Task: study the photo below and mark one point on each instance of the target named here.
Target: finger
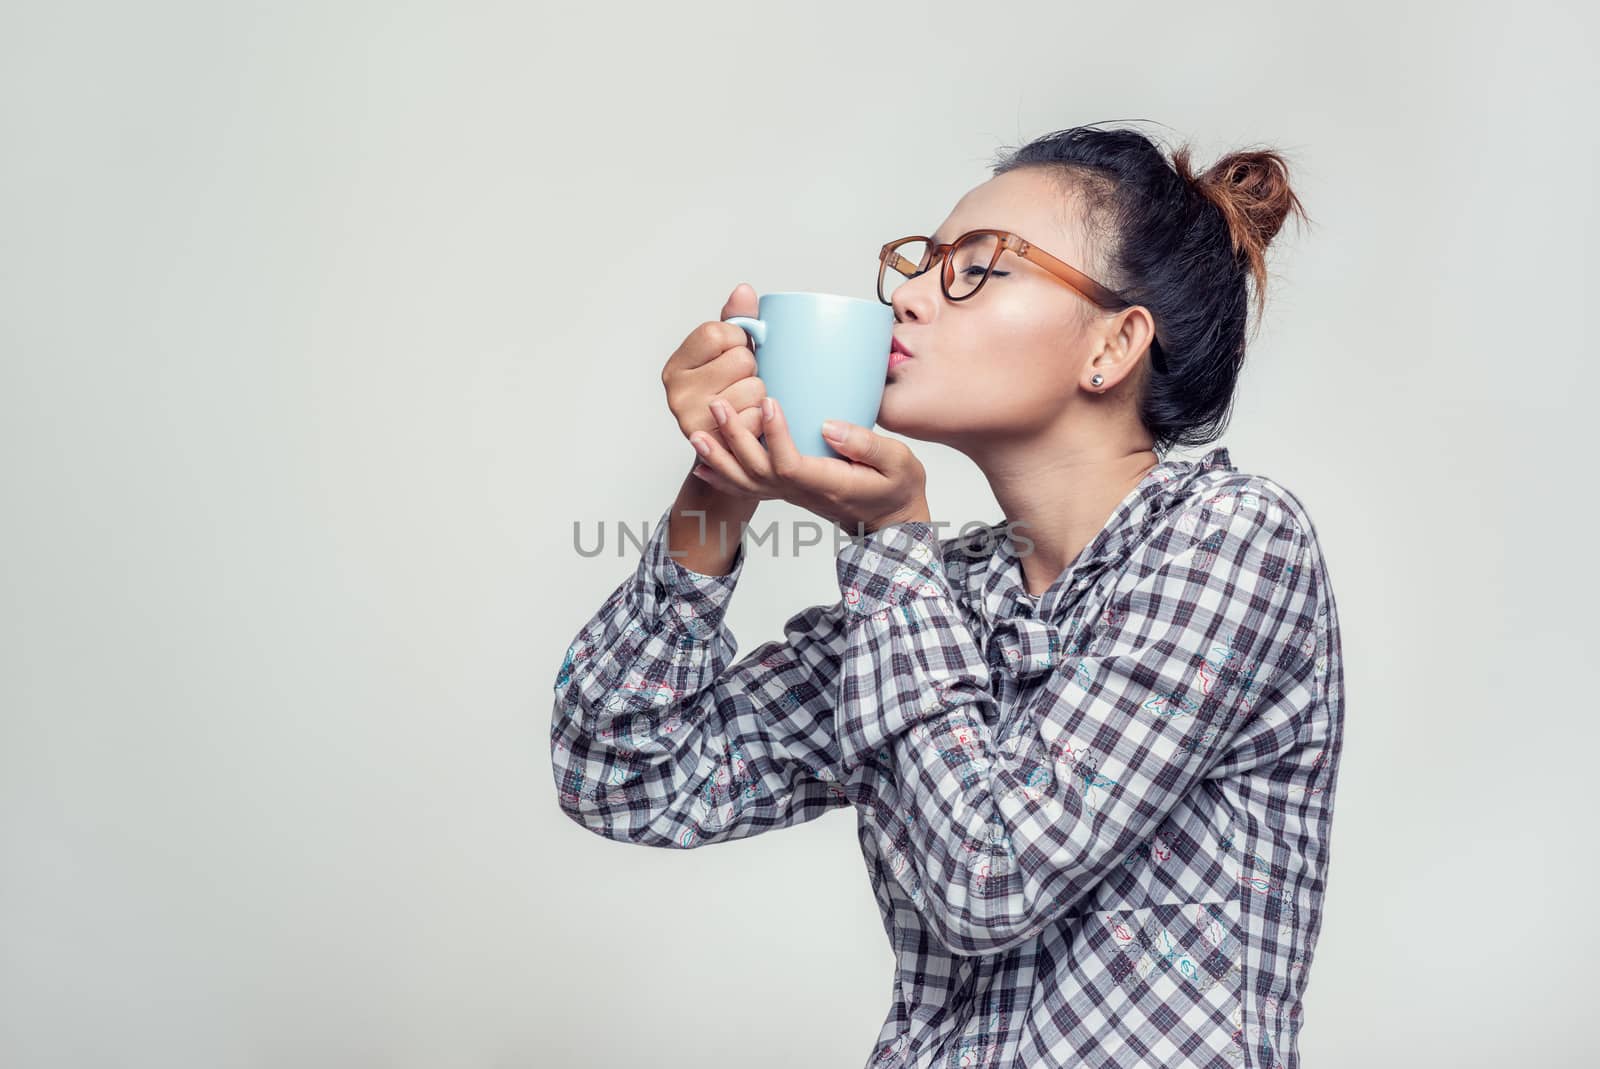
(742, 302)
(753, 421)
(751, 454)
(744, 395)
(712, 479)
(854, 441)
(731, 376)
(705, 343)
(749, 415)
(828, 478)
(728, 368)
(787, 461)
(719, 460)
(749, 418)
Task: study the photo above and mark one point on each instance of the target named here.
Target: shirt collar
(994, 584)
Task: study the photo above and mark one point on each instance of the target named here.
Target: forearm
(657, 739)
(705, 527)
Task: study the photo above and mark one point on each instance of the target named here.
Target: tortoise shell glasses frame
(1063, 272)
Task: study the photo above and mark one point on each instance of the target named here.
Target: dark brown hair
(1186, 246)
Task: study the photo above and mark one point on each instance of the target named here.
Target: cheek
(1022, 312)
(1023, 344)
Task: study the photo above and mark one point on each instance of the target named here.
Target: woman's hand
(880, 482)
(715, 361)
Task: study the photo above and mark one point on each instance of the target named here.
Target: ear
(1126, 339)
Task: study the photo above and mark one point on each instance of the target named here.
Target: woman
(1093, 767)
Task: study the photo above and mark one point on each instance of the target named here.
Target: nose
(915, 299)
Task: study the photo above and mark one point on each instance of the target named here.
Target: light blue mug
(822, 356)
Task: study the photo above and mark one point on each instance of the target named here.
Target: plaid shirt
(1096, 823)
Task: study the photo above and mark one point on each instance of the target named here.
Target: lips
(897, 354)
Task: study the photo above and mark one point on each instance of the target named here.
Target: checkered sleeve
(656, 738)
(993, 843)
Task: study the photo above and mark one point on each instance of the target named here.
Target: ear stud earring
(1097, 380)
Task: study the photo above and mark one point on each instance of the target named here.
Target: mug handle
(753, 327)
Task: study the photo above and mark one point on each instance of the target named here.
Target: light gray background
(323, 323)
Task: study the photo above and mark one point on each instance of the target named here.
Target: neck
(1060, 495)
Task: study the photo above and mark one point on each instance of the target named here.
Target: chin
(889, 415)
(894, 417)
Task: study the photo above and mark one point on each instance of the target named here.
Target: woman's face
(1008, 361)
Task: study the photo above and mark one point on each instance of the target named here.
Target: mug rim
(815, 294)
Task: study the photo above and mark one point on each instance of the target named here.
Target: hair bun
(1251, 189)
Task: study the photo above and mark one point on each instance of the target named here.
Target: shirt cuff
(890, 567)
(670, 594)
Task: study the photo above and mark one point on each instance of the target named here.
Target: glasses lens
(969, 263)
(890, 279)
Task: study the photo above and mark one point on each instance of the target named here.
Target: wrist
(698, 495)
(916, 512)
(706, 528)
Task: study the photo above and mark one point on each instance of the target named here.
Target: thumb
(741, 302)
(850, 439)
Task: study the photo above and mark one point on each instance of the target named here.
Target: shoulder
(1261, 503)
(1252, 521)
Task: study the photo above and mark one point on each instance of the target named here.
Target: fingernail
(716, 410)
(700, 446)
(830, 429)
(768, 409)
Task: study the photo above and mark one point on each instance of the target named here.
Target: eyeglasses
(969, 260)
